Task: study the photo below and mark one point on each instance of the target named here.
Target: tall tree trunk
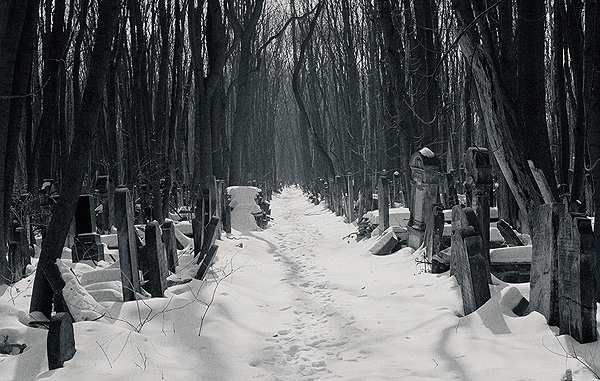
(17, 42)
(532, 95)
(47, 279)
(498, 114)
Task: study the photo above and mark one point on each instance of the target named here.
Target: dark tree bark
(324, 162)
(17, 42)
(47, 280)
(498, 113)
(532, 96)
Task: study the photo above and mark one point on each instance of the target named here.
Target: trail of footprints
(320, 331)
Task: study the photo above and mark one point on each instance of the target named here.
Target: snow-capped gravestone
(576, 278)
(479, 171)
(424, 167)
(154, 264)
(127, 238)
(60, 344)
(544, 262)
(88, 244)
(243, 205)
(467, 262)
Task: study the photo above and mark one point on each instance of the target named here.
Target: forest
(165, 94)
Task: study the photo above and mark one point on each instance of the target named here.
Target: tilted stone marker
(383, 201)
(467, 263)
(509, 235)
(155, 261)
(478, 167)
(576, 279)
(206, 262)
(128, 244)
(168, 238)
(544, 262)
(210, 238)
(60, 344)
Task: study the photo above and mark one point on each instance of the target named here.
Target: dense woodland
(165, 92)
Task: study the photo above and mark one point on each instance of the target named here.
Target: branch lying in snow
(568, 355)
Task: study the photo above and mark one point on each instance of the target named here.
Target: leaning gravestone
(206, 262)
(544, 262)
(468, 264)
(509, 234)
(576, 279)
(155, 261)
(60, 344)
(128, 243)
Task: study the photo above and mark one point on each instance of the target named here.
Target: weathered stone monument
(468, 263)
(128, 243)
(544, 262)
(577, 265)
(168, 238)
(338, 192)
(87, 242)
(60, 344)
(19, 255)
(509, 235)
(154, 262)
(424, 167)
(350, 213)
(479, 169)
(383, 201)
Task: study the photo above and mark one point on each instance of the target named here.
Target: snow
(297, 302)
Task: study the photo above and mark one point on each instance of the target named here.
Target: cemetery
(299, 190)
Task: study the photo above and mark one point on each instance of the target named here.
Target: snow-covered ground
(298, 302)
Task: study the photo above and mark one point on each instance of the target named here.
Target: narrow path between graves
(321, 330)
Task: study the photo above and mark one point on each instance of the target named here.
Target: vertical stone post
(339, 210)
(351, 214)
(424, 194)
(478, 167)
(156, 271)
(544, 262)
(87, 242)
(467, 263)
(576, 278)
(127, 240)
(168, 238)
(226, 210)
(383, 194)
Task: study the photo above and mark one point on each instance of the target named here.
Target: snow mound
(81, 304)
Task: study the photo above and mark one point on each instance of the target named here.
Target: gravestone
(85, 221)
(383, 203)
(209, 238)
(437, 266)
(226, 211)
(508, 234)
(338, 195)
(424, 194)
(87, 243)
(350, 213)
(155, 261)
(544, 261)
(19, 255)
(206, 262)
(128, 243)
(168, 238)
(576, 278)
(467, 262)
(60, 344)
(479, 169)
